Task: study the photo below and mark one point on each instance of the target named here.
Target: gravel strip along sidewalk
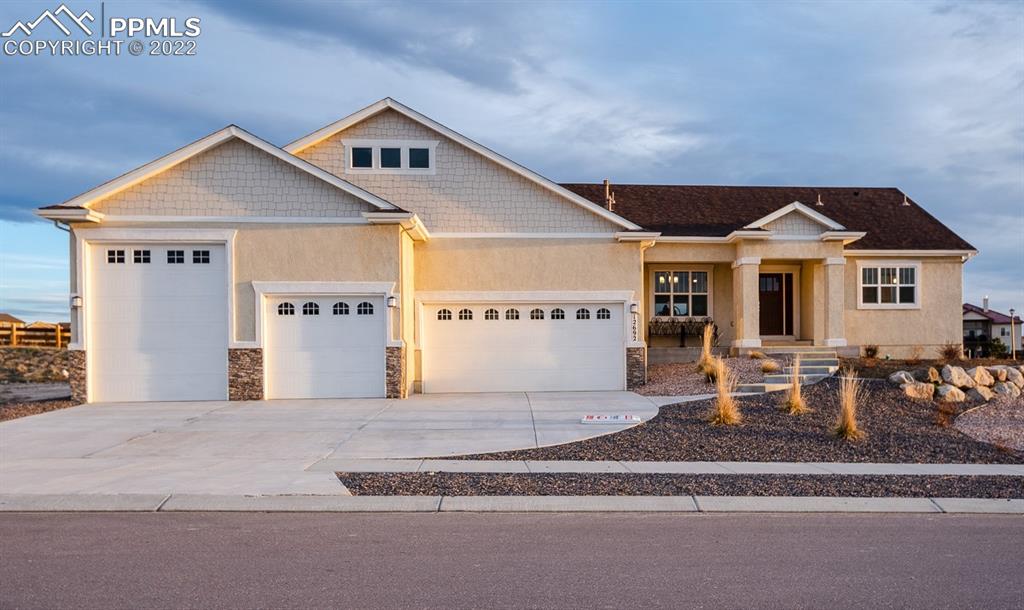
(1000, 422)
(588, 484)
(898, 430)
(15, 410)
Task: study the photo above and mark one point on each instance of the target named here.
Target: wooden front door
(776, 301)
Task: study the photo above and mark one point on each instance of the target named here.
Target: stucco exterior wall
(896, 332)
(233, 179)
(663, 252)
(467, 192)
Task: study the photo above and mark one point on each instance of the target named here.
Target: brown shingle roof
(991, 314)
(719, 210)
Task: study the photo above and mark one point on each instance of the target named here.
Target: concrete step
(819, 362)
(761, 387)
(785, 379)
(803, 351)
(812, 370)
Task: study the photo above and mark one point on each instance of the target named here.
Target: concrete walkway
(266, 448)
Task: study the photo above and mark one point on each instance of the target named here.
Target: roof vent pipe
(984, 303)
(609, 196)
(905, 201)
(819, 199)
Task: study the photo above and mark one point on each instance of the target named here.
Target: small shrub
(951, 352)
(915, 355)
(706, 363)
(944, 415)
(871, 351)
(756, 355)
(770, 366)
(997, 349)
(726, 412)
(794, 402)
(850, 394)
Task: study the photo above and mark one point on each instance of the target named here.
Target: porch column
(835, 301)
(746, 305)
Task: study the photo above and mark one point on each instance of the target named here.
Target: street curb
(41, 503)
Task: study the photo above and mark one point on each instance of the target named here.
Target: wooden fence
(36, 337)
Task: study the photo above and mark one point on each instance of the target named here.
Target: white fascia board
(216, 138)
(637, 236)
(965, 254)
(377, 107)
(407, 220)
(847, 237)
(796, 206)
(71, 214)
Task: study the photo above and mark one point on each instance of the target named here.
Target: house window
(511, 314)
(362, 157)
(140, 256)
(115, 256)
(557, 314)
(444, 314)
(465, 314)
(310, 309)
(340, 309)
(491, 314)
(175, 257)
(201, 257)
(391, 158)
(536, 314)
(681, 293)
(885, 287)
(1002, 332)
(604, 314)
(582, 314)
(286, 309)
(364, 309)
(419, 158)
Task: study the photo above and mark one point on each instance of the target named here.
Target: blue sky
(924, 96)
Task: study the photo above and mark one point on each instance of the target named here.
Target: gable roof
(202, 145)
(796, 208)
(991, 314)
(6, 317)
(717, 211)
(387, 103)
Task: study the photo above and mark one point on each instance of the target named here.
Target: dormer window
(390, 156)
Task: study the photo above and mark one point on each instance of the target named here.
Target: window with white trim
(286, 309)
(604, 314)
(465, 314)
(491, 314)
(557, 314)
(340, 308)
(140, 256)
(391, 156)
(115, 256)
(536, 314)
(511, 314)
(364, 309)
(889, 286)
(444, 314)
(200, 257)
(310, 309)
(175, 257)
(582, 314)
(681, 293)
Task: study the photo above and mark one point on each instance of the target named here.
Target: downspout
(64, 228)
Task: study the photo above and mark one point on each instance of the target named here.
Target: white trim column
(746, 301)
(835, 301)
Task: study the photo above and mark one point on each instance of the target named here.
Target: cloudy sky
(924, 96)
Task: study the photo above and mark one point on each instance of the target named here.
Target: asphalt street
(259, 560)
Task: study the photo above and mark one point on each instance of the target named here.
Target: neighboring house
(982, 325)
(9, 321)
(386, 253)
(42, 325)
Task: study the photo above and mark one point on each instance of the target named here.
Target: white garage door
(506, 347)
(158, 322)
(325, 347)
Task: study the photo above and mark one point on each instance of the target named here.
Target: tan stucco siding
(781, 250)
(292, 253)
(663, 252)
(233, 179)
(896, 332)
(467, 192)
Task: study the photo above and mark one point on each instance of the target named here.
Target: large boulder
(980, 394)
(949, 393)
(1014, 376)
(957, 376)
(919, 390)
(933, 375)
(901, 378)
(1006, 389)
(981, 376)
(998, 372)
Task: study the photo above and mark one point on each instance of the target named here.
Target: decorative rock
(901, 378)
(981, 376)
(998, 372)
(933, 375)
(949, 393)
(919, 390)
(1007, 389)
(1015, 376)
(957, 376)
(980, 394)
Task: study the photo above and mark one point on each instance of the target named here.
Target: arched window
(310, 309)
(583, 314)
(491, 314)
(604, 314)
(286, 309)
(364, 309)
(536, 314)
(557, 314)
(465, 314)
(444, 314)
(340, 309)
(511, 314)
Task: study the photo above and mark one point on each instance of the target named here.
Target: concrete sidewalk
(516, 504)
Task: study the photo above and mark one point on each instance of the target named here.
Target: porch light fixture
(76, 301)
(634, 308)
(392, 302)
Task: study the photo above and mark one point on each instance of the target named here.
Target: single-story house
(982, 324)
(9, 321)
(386, 253)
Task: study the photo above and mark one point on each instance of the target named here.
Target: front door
(776, 302)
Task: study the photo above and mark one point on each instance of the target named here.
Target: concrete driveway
(281, 446)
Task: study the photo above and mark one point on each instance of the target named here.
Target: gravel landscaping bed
(32, 364)
(878, 368)
(1000, 422)
(571, 484)
(14, 410)
(898, 429)
(682, 379)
